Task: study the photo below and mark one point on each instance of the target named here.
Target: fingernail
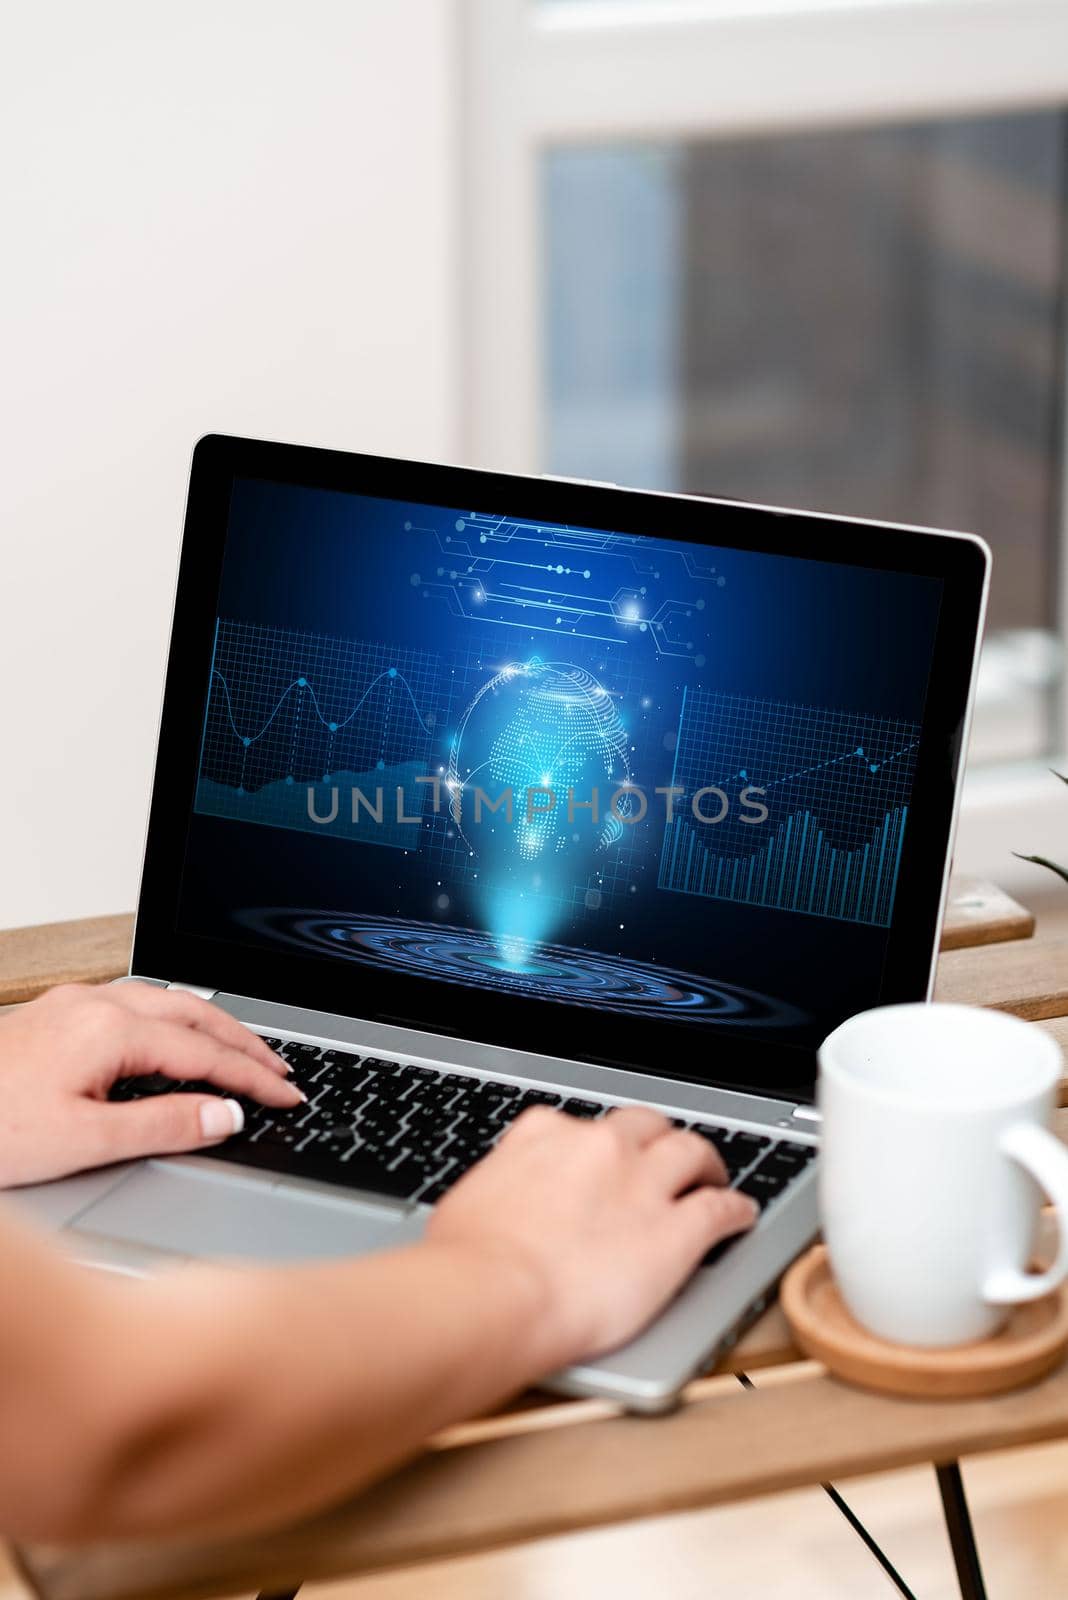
(220, 1118)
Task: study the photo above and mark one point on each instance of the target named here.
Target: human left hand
(60, 1054)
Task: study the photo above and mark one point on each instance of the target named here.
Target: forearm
(234, 1399)
(231, 1399)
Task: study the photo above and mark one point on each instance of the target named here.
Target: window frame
(535, 73)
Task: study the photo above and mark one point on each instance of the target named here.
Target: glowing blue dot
(407, 527)
(302, 683)
(326, 777)
(246, 742)
(380, 765)
(482, 538)
(460, 524)
(289, 778)
(393, 672)
(859, 751)
(586, 573)
(560, 569)
(873, 766)
(333, 727)
(700, 605)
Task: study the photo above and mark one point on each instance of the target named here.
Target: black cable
(854, 1521)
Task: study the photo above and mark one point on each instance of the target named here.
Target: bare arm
(228, 1399)
(234, 1398)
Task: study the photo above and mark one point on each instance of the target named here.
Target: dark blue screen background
(675, 662)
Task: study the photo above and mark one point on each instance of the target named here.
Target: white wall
(228, 215)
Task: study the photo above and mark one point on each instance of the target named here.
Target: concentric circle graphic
(548, 971)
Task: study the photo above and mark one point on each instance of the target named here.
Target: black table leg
(854, 1522)
(961, 1535)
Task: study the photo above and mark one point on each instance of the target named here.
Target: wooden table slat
(562, 1479)
(978, 912)
(1029, 978)
(92, 950)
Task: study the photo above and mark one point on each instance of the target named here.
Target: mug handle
(1046, 1159)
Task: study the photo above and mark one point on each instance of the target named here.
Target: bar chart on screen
(829, 802)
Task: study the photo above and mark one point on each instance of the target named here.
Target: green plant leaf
(1041, 861)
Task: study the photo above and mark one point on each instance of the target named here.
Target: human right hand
(609, 1218)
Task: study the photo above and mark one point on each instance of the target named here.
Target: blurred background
(809, 252)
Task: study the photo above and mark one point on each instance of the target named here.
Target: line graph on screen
(291, 712)
(835, 785)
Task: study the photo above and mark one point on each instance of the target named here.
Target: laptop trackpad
(194, 1212)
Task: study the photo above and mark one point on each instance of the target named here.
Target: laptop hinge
(194, 988)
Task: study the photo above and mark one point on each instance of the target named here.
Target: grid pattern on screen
(290, 710)
(836, 788)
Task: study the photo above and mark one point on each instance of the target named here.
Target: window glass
(864, 321)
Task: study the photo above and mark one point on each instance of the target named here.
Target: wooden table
(551, 1467)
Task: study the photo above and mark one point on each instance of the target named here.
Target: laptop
(476, 791)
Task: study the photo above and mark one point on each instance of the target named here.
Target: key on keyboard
(371, 1124)
(781, 1163)
(409, 1133)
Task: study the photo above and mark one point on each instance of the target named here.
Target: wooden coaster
(1032, 1342)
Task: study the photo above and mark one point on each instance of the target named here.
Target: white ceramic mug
(936, 1153)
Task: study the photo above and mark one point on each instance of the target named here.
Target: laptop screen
(626, 776)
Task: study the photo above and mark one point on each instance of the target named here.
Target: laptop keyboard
(408, 1133)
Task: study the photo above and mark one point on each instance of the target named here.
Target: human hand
(60, 1054)
(610, 1217)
